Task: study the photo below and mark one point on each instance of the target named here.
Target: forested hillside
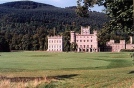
(26, 24)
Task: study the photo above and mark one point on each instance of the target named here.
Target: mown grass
(71, 70)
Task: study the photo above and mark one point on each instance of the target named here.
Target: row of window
(54, 41)
(118, 47)
(83, 40)
(54, 50)
(88, 50)
(83, 37)
(54, 46)
(86, 46)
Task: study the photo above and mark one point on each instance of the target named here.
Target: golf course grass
(70, 70)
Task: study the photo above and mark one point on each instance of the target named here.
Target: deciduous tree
(119, 11)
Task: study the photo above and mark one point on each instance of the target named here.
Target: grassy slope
(93, 70)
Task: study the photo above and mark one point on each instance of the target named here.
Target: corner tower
(72, 37)
(131, 39)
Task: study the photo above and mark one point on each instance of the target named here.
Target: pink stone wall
(130, 46)
(116, 47)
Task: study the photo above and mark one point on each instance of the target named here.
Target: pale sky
(57, 3)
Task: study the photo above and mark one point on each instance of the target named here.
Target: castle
(87, 42)
(116, 47)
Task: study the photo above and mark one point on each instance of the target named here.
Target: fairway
(85, 70)
(48, 61)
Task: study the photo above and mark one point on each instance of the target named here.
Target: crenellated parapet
(55, 37)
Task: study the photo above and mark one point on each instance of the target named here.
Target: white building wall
(55, 43)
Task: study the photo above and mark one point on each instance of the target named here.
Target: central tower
(85, 30)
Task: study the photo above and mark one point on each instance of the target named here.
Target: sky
(58, 3)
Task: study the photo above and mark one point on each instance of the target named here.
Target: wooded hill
(26, 24)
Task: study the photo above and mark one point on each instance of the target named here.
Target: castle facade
(86, 42)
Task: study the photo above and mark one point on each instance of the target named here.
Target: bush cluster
(127, 50)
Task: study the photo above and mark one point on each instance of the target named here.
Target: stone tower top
(85, 30)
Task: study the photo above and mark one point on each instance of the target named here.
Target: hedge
(127, 50)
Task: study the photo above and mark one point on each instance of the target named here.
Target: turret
(95, 32)
(72, 37)
(131, 39)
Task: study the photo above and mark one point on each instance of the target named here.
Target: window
(77, 40)
(80, 40)
(91, 46)
(87, 46)
(84, 40)
(84, 46)
(87, 40)
(91, 40)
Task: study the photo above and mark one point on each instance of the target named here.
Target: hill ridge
(25, 5)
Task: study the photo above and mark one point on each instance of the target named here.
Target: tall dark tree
(66, 41)
(4, 46)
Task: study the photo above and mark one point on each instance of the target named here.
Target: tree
(4, 46)
(119, 11)
(73, 46)
(66, 41)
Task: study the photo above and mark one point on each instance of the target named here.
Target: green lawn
(84, 70)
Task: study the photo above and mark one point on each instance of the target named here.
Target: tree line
(25, 25)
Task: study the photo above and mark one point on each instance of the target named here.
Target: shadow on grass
(27, 79)
(21, 79)
(131, 72)
(62, 77)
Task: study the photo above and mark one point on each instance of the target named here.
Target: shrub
(127, 50)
